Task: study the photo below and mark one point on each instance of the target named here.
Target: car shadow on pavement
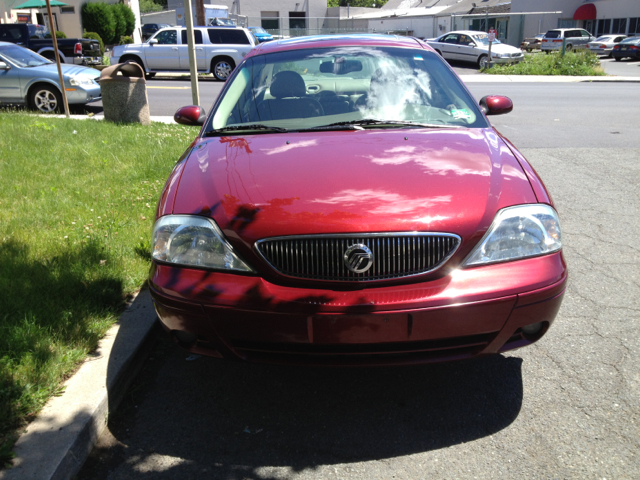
(221, 419)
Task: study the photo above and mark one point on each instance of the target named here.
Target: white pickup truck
(218, 50)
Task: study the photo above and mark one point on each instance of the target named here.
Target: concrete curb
(57, 443)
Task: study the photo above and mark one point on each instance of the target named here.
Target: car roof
(466, 32)
(325, 41)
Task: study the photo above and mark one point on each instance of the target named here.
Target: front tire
(45, 99)
(222, 67)
(483, 61)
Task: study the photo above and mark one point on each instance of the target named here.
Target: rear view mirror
(495, 104)
(153, 41)
(341, 66)
(192, 115)
(4, 66)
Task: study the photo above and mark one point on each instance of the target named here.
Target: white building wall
(421, 27)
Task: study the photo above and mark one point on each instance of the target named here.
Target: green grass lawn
(77, 202)
(583, 63)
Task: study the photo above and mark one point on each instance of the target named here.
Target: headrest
(288, 84)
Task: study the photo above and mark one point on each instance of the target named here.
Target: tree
(149, 6)
(98, 17)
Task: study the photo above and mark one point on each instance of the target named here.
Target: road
(566, 407)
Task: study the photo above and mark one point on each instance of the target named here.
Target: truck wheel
(45, 99)
(222, 67)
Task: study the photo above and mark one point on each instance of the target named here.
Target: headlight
(497, 55)
(519, 232)
(78, 81)
(193, 241)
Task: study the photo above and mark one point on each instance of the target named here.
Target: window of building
(69, 9)
(619, 25)
(297, 20)
(270, 20)
(567, 23)
(604, 27)
(634, 26)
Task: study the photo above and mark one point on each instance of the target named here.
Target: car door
(183, 48)
(10, 84)
(163, 55)
(448, 46)
(467, 50)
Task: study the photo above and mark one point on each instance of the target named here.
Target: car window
(167, 37)
(619, 39)
(225, 36)
(21, 56)
(197, 35)
(605, 39)
(466, 40)
(400, 84)
(585, 33)
(629, 40)
(10, 33)
(452, 38)
(483, 39)
(553, 34)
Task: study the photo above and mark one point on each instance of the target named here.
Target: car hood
(425, 180)
(67, 70)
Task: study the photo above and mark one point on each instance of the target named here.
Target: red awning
(585, 12)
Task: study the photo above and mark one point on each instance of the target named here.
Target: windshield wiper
(236, 128)
(332, 127)
(371, 121)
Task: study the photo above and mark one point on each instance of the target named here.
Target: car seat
(290, 101)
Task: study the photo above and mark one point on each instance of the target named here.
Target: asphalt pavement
(566, 407)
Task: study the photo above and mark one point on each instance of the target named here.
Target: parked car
(575, 39)
(148, 29)
(218, 50)
(629, 47)
(472, 46)
(533, 43)
(78, 51)
(27, 78)
(604, 45)
(347, 202)
(261, 34)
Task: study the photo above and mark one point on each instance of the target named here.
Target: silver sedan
(26, 78)
(604, 45)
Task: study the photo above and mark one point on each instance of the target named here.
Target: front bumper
(469, 313)
(503, 60)
(83, 94)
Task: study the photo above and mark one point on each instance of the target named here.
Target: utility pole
(193, 66)
(200, 13)
(52, 27)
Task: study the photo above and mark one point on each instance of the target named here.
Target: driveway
(566, 407)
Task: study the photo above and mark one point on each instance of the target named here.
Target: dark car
(347, 202)
(78, 51)
(629, 47)
(148, 29)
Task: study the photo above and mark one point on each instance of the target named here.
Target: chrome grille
(321, 257)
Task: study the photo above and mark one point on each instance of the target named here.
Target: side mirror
(4, 66)
(192, 115)
(495, 104)
(153, 41)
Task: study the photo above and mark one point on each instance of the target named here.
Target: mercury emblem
(358, 258)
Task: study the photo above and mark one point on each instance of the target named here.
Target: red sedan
(347, 202)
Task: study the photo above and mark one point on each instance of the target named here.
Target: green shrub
(149, 6)
(581, 63)
(99, 18)
(121, 24)
(128, 16)
(58, 35)
(94, 36)
(125, 39)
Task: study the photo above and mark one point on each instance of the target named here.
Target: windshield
(630, 40)
(318, 87)
(604, 39)
(484, 39)
(257, 29)
(21, 57)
